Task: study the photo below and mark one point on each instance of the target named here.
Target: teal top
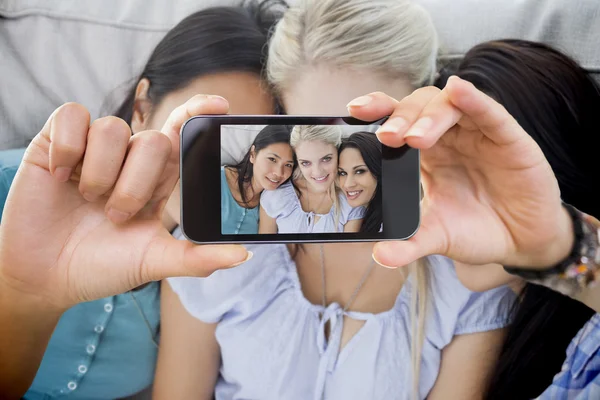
(235, 219)
(101, 349)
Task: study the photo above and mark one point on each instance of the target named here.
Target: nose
(279, 170)
(349, 182)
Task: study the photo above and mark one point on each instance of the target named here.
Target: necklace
(310, 210)
(356, 290)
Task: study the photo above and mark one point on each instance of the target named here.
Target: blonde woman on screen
(312, 202)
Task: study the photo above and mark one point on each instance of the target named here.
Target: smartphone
(295, 179)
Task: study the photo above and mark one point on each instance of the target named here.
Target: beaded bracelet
(581, 269)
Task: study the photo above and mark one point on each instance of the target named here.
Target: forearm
(26, 326)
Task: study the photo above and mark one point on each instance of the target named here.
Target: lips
(273, 182)
(321, 179)
(353, 194)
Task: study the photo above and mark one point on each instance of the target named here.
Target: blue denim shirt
(580, 375)
(101, 349)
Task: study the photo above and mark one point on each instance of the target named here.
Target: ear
(252, 154)
(141, 106)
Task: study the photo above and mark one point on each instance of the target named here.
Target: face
(272, 165)
(479, 278)
(356, 180)
(318, 163)
(326, 91)
(243, 91)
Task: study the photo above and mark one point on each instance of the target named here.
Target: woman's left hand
(490, 195)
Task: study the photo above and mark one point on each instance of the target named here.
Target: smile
(272, 180)
(351, 195)
(322, 178)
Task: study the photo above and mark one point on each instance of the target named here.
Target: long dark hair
(370, 150)
(557, 103)
(269, 135)
(213, 40)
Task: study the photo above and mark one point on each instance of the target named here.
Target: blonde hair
(329, 134)
(392, 38)
(418, 311)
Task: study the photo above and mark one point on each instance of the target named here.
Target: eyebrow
(359, 166)
(320, 158)
(277, 156)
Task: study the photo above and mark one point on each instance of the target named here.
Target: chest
(282, 353)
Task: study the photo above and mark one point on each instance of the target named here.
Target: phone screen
(295, 179)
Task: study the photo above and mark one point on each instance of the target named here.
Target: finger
(402, 114)
(146, 159)
(488, 115)
(372, 106)
(200, 104)
(197, 105)
(169, 257)
(406, 113)
(428, 240)
(436, 118)
(66, 131)
(107, 142)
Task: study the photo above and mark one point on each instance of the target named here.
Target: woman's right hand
(83, 217)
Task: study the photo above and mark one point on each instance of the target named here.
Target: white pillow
(58, 51)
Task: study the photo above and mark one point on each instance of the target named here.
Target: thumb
(429, 239)
(168, 257)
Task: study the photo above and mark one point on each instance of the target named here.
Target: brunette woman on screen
(359, 173)
(268, 163)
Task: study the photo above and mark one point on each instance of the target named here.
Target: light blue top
(100, 349)
(284, 205)
(235, 219)
(273, 344)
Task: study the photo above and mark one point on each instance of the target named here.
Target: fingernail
(383, 265)
(213, 97)
(420, 128)
(393, 125)
(62, 174)
(359, 101)
(117, 216)
(248, 257)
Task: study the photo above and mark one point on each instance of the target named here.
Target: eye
(360, 171)
(272, 159)
(305, 163)
(289, 165)
(326, 159)
(342, 173)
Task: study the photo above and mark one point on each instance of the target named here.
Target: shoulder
(275, 202)
(210, 299)
(455, 310)
(347, 211)
(580, 373)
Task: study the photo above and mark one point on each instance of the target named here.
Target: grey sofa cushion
(87, 50)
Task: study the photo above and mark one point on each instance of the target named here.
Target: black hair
(557, 103)
(269, 135)
(212, 40)
(370, 150)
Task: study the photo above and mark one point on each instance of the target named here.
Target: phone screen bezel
(401, 184)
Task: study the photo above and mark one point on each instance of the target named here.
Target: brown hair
(558, 104)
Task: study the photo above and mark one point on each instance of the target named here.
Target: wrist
(558, 249)
(579, 270)
(21, 303)
(26, 325)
